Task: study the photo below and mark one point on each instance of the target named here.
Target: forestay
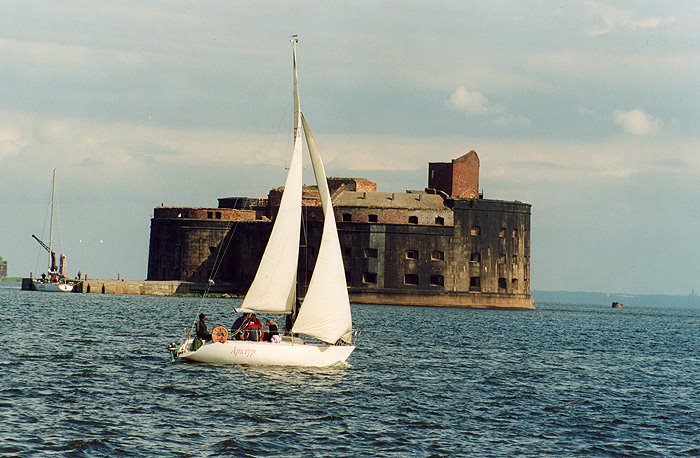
(325, 313)
(274, 287)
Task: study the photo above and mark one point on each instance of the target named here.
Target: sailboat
(325, 315)
(55, 280)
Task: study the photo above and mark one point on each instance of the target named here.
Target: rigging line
(276, 134)
(40, 254)
(218, 260)
(304, 228)
(221, 253)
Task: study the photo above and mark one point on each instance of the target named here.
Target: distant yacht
(55, 279)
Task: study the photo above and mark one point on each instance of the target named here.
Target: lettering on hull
(244, 352)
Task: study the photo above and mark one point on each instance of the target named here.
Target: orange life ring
(219, 334)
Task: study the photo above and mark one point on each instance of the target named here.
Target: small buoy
(219, 334)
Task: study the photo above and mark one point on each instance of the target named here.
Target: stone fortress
(442, 246)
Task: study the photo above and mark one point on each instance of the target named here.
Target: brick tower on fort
(444, 245)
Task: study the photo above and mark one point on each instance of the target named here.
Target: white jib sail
(274, 287)
(325, 313)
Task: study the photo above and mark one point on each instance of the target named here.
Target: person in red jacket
(254, 330)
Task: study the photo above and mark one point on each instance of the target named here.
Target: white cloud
(637, 122)
(617, 18)
(472, 103)
(513, 120)
(36, 58)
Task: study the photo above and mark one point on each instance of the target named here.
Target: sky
(588, 110)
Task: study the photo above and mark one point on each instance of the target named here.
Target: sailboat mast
(297, 114)
(273, 289)
(53, 195)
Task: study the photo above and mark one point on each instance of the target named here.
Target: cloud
(12, 140)
(35, 59)
(617, 18)
(472, 103)
(513, 121)
(637, 122)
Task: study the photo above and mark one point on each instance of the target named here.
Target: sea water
(89, 375)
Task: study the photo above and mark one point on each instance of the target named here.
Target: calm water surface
(88, 375)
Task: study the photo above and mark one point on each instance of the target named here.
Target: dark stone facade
(413, 248)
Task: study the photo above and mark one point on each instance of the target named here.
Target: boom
(54, 268)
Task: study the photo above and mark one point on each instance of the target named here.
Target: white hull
(50, 287)
(285, 353)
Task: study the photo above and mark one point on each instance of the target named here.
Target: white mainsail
(274, 287)
(325, 313)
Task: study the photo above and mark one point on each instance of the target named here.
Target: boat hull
(50, 287)
(286, 353)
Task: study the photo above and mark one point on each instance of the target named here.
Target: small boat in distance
(324, 315)
(617, 305)
(55, 280)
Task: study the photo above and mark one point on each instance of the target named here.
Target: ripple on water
(560, 381)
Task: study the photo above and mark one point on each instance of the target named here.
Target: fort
(3, 268)
(445, 245)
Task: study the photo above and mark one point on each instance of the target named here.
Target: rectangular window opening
(369, 277)
(412, 254)
(474, 283)
(437, 255)
(410, 279)
(437, 280)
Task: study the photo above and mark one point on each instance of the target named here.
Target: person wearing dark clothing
(202, 331)
(238, 325)
(291, 317)
(272, 330)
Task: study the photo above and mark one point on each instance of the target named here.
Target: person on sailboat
(273, 332)
(202, 331)
(238, 325)
(289, 320)
(254, 330)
